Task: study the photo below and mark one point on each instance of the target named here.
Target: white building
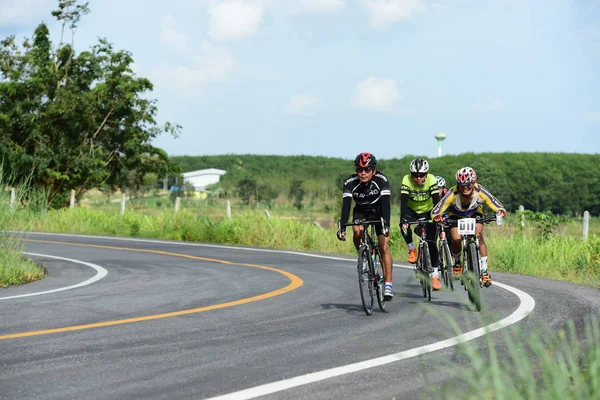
(203, 177)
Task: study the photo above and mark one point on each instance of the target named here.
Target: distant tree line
(558, 183)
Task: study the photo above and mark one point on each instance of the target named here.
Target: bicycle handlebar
(416, 222)
(480, 220)
(362, 222)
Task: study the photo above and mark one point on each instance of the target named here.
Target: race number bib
(466, 226)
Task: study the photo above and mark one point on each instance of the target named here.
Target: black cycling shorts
(370, 215)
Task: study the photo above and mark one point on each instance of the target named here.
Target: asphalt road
(134, 319)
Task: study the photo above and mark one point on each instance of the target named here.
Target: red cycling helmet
(365, 160)
(465, 176)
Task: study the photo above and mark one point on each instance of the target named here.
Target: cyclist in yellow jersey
(418, 194)
(465, 200)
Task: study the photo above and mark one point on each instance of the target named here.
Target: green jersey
(420, 198)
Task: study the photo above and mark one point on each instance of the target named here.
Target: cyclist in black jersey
(370, 190)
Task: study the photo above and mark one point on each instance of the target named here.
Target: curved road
(146, 319)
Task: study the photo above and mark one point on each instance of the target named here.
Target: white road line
(101, 273)
(526, 306)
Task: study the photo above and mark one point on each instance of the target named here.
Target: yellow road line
(295, 283)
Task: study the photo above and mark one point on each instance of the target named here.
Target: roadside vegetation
(14, 268)
(540, 365)
(560, 253)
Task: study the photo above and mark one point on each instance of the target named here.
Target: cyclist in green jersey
(418, 194)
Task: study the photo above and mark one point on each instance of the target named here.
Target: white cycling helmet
(440, 181)
(419, 166)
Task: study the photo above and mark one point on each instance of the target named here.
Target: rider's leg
(408, 238)
(386, 261)
(486, 279)
(455, 248)
(482, 247)
(455, 245)
(358, 231)
(431, 234)
(386, 256)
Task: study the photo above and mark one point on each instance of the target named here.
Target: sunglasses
(419, 175)
(359, 170)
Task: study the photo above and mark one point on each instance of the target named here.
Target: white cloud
(491, 107)
(321, 6)
(17, 12)
(384, 13)
(234, 19)
(376, 94)
(302, 104)
(593, 118)
(213, 64)
(172, 37)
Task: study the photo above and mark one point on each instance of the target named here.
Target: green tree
(76, 121)
(296, 193)
(267, 193)
(247, 189)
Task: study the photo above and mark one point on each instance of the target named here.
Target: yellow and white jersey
(452, 203)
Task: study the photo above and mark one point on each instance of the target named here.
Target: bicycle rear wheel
(365, 280)
(472, 282)
(379, 275)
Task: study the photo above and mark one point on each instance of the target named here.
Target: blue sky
(337, 77)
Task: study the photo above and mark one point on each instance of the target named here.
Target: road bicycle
(446, 262)
(471, 257)
(370, 270)
(423, 267)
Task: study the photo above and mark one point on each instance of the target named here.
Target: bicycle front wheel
(379, 281)
(473, 283)
(446, 264)
(427, 268)
(365, 280)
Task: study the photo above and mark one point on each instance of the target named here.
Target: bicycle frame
(424, 265)
(371, 278)
(471, 256)
(445, 257)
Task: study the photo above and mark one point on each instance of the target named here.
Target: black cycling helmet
(365, 160)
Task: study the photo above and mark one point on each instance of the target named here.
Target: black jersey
(367, 196)
(371, 200)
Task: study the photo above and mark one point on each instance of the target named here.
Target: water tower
(440, 138)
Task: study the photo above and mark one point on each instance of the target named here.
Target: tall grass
(558, 257)
(14, 269)
(540, 365)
